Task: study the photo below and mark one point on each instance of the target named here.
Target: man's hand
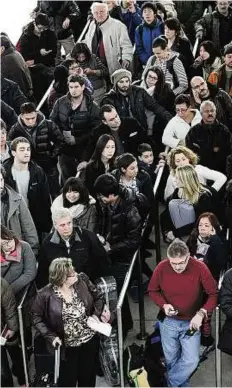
(89, 71)
(66, 23)
(125, 64)
(30, 63)
(81, 166)
(169, 310)
(56, 341)
(196, 322)
(44, 52)
(105, 316)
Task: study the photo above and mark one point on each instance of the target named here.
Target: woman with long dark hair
(209, 60)
(101, 162)
(75, 196)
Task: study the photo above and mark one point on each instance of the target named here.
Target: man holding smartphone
(186, 292)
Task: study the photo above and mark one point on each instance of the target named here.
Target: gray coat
(21, 270)
(19, 219)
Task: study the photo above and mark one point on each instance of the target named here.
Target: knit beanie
(119, 74)
(150, 5)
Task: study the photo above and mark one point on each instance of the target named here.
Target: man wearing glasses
(185, 292)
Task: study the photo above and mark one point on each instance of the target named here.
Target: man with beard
(210, 139)
(76, 114)
(131, 100)
(27, 178)
(202, 90)
(46, 141)
(223, 76)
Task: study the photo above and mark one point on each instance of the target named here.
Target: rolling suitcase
(108, 353)
(45, 378)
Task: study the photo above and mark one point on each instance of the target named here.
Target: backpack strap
(170, 68)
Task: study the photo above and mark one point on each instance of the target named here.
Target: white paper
(100, 327)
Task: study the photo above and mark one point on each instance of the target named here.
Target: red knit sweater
(184, 291)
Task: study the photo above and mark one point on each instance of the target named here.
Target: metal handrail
(45, 96)
(196, 44)
(218, 355)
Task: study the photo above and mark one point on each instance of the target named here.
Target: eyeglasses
(153, 78)
(181, 264)
(6, 243)
(198, 86)
(181, 110)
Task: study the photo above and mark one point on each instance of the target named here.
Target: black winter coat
(12, 95)
(45, 138)
(8, 114)
(39, 200)
(85, 119)
(182, 46)
(91, 173)
(14, 67)
(31, 44)
(225, 339)
(86, 252)
(47, 309)
(223, 103)
(130, 133)
(139, 100)
(212, 143)
(122, 227)
(58, 11)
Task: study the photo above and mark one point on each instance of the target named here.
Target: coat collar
(56, 239)
(14, 200)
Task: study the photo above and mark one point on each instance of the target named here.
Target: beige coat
(116, 42)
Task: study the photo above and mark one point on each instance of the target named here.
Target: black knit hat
(228, 49)
(149, 5)
(42, 19)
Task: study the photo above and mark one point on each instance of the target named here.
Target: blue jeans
(181, 352)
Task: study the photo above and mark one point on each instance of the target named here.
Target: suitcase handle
(57, 364)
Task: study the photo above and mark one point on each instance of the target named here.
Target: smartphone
(3, 338)
(173, 311)
(190, 332)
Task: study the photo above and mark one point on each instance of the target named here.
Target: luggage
(47, 371)
(133, 365)
(108, 353)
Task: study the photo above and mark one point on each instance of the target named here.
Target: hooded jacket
(80, 124)
(144, 36)
(19, 219)
(45, 138)
(86, 252)
(31, 44)
(218, 78)
(139, 100)
(38, 194)
(12, 95)
(116, 41)
(212, 143)
(14, 68)
(210, 27)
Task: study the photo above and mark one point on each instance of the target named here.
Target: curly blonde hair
(189, 154)
(59, 270)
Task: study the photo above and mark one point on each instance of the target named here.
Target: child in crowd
(146, 160)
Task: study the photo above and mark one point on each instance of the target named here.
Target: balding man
(202, 90)
(108, 39)
(210, 140)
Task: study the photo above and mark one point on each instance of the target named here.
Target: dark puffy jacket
(12, 95)
(139, 100)
(131, 20)
(223, 104)
(210, 26)
(86, 252)
(144, 36)
(47, 309)
(14, 67)
(38, 194)
(212, 143)
(188, 13)
(130, 133)
(182, 46)
(58, 11)
(9, 314)
(122, 227)
(31, 44)
(225, 339)
(45, 138)
(80, 124)
(8, 114)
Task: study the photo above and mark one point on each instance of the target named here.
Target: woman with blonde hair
(189, 200)
(182, 156)
(60, 315)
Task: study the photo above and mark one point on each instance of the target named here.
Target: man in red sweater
(186, 292)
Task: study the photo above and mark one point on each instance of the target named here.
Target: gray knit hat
(119, 74)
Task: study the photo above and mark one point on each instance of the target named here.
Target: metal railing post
(195, 47)
(142, 335)
(23, 347)
(120, 345)
(218, 359)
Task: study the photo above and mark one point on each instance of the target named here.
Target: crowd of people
(77, 176)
